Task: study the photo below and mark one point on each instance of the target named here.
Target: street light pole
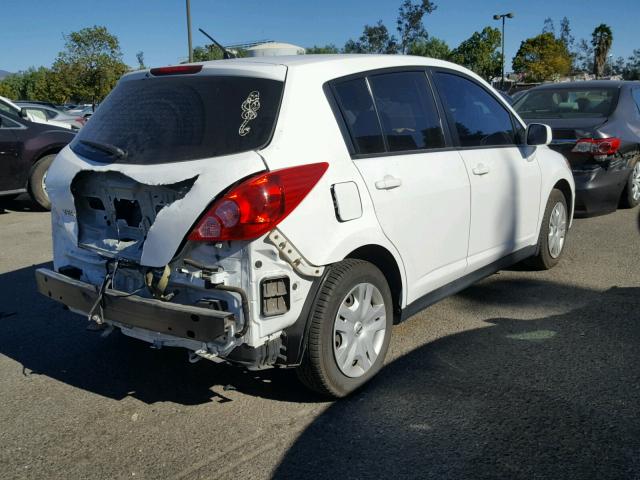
(498, 17)
(189, 30)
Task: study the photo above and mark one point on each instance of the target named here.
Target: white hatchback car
(287, 211)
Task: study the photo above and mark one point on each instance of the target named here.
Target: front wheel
(553, 232)
(350, 329)
(37, 188)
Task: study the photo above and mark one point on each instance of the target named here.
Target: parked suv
(288, 211)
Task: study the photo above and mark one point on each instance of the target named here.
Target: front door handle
(388, 183)
(480, 169)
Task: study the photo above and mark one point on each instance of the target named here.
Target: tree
(329, 48)
(409, 23)
(601, 40)
(542, 57)
(583, 57)
(91, 63)
(617, 67)
(140, 58)
(432, 47)
(549, 27)
(11, 85)
(632, 68)
(206, 53)
(480, 53)
(34, 84)
(213, 52)
(374, 39)
(565, 33)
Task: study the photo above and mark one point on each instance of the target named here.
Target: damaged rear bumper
(184, 321)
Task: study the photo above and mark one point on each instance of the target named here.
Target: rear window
(172, 119)
(567, 103)
(360, 115)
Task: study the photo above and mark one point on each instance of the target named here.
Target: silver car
(47, 113)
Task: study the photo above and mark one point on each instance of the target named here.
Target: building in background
(270, 49)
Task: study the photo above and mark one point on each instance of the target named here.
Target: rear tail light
(597, 146)
(176, 70)
(258, 204)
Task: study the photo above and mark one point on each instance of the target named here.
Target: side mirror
(539, 134)
(24, 114)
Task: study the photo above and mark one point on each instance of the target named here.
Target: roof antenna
(225, 53)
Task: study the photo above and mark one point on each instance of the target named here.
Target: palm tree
(601, 39)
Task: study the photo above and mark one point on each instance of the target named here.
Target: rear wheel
(631, 194)
(553, 232)
(37, 188)
(350, 329)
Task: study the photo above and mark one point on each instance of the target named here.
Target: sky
(32, 30)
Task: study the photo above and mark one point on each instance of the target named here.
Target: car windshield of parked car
(567, 103)
(169, 119)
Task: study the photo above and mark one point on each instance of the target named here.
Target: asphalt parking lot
(524, 375)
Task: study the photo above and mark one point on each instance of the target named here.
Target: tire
(331, 336)
(631, 193)
(548, 256)
(36, 181)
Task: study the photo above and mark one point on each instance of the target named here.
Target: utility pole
(498, 17)
(189, 30)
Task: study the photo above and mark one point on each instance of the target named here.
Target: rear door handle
(480, 169)
(388, 183)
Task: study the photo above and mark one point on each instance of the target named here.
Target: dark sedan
(596, 126)
(26, 151)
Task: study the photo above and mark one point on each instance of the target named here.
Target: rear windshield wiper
(106, 148)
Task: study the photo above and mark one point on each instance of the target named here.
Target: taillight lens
(258, 204)
(597, 146)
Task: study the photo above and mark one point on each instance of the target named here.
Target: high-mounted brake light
(258, 204)
(597, 146)
(176, 70)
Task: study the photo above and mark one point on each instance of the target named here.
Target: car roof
(337, 64)
(586, 84)
(38, 105)
(294, 60)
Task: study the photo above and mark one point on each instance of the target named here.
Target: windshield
(567, 103)
(170, 119)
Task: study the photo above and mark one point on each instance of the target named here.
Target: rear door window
(407, 111)
(478, 118)
(359, 113)
(178, 118)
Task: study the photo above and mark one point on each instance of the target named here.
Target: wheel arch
(382, 258)
(565, 188)
(386, 263)
(49, 150)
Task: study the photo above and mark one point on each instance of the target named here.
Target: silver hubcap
(359, 330)
(635, 182)
(557, 229)
(44, 185)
